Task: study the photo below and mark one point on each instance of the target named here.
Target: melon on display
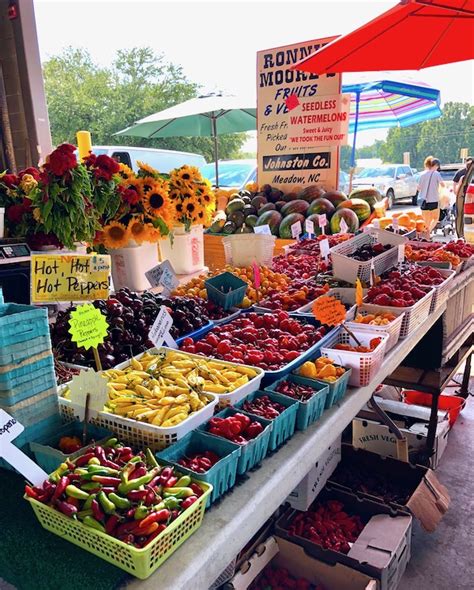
(288, 221)
(272, 219)
(361, 208)
(297, 206)
(336, 197)
(311, 192)
(370, 195)
(321, 206)
(349, 217)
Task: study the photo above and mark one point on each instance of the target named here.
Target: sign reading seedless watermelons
(302, 118)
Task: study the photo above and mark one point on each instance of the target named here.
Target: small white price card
(396, 225)
(10, 428)
(376, 223)
(160, 331)
(163, 274)
(296, 230)
(309, 227)
(343, 227)
(262, 229)
(324, 248)
(322, 221)
(92, 384)
(401, 253)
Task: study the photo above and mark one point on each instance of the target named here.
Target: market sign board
(302, 118)
(69, 277)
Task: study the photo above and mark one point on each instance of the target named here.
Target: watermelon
(272, 219)
(234, 205)
(258, 202)
(361, 208)
(335, 197)
(298, 206)
(321, 206)
(265, 208)
(288, 221)
(371, 195)
(279, 205)
(311, 192)
(349, 217)
(289, 197)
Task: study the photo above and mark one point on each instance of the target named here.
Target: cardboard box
(309, 487)
(427, 499)
(382, 550)
(282, 553)
(370, 434)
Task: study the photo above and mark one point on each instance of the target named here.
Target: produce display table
(232, 522)
(214, 256)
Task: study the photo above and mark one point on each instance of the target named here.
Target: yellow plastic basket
(141, 563)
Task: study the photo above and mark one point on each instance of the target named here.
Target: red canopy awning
(413, 35)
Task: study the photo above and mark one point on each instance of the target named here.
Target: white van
(161, 160)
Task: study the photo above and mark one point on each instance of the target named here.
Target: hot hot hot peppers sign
(301, 119)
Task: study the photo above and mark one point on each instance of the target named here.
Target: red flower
(36, 241)
(15, 213)
(26, 204)
(90, 160)
(44, 177)
(107, 165)
(10, 180)
(62, 160)
(35, 173)
(129, 195)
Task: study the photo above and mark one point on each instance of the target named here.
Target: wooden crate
(214, 257)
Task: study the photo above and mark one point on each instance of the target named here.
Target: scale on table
(15, 275)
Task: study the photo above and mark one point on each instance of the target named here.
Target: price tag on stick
(330, 311)
(10, 428)
(296, 230)
(88, 328)
(262, 229)
(163, 275)
(324, 248)
(160, 331)
(88, 394)
(309, 228)
(343, 227)
(256, 279)
(395, 225)
(322, 222)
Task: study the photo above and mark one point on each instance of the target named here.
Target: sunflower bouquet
(193, 201)
(144, 211)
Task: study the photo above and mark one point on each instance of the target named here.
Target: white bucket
(186, 253)
(130, 264)
(2, 221)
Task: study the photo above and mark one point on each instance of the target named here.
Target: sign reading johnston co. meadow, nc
(301, 120)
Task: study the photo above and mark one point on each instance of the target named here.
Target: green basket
(256, 449)
(221, 475)
(141, 563)
(226, 290)
(337, 389)
(283, 426)
(311, 410)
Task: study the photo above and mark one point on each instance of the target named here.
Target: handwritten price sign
(163, 274)
(329, 310)
(160, 331)
(88, 327)
(69, 277)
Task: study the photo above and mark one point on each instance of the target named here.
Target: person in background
(428, 195)
(460, 174)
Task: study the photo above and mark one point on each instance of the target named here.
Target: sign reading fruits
(160, 331)
(329, 310)
(10, 428)
(88, 326)
(163, 274)
(301, 120)
(69, 277)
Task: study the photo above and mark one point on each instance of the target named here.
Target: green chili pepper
(140, 512)
(151, 459)
(178, 492)
(90, 485)
(54, 477)
(171, 503)
(159, 506)
(183, 482)
(88, 502)
(111, 442)
(107, 505)
(124, 488)
(119, 501)
(101, 470)
(75, 492)
(93, 523)
(83, 513)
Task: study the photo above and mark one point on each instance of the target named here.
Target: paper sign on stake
(329, 310)
(296, 230)
(343, 227)
(376, 223)
(88, 326)
(160, 331)
(324, 248)
(10, 428)
(262, 229)
(309, 227)
(88, 382)
(256, 275)
(322, 221)
(401, 253)
(395, 225)
(163, 274)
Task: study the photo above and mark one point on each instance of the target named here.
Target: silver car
(394, 181)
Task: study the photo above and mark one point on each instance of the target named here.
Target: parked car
(232, 173)
(343, 182)
(162, 160)
(394, 181)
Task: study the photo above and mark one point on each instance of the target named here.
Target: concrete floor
(443, 560)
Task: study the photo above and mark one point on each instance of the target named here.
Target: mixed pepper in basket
(113, 490)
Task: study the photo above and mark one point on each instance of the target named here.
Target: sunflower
(147, 170)
(115, 235)
(146, 184)
(126, 172)
(156, 202)
(188, 174)
(138, 230)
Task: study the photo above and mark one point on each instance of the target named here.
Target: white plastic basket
(414, 315)
(388, 237)
(346, 296)
(392, 328)
(349, 270)
(244, 249)
(441, 293)
(364, 365)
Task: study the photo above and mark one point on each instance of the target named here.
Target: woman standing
(428, 196)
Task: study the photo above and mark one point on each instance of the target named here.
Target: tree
(83, 95)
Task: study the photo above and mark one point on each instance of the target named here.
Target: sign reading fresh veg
(301, 119)
(69, 277)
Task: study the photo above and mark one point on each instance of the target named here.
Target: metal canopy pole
(216, 155)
